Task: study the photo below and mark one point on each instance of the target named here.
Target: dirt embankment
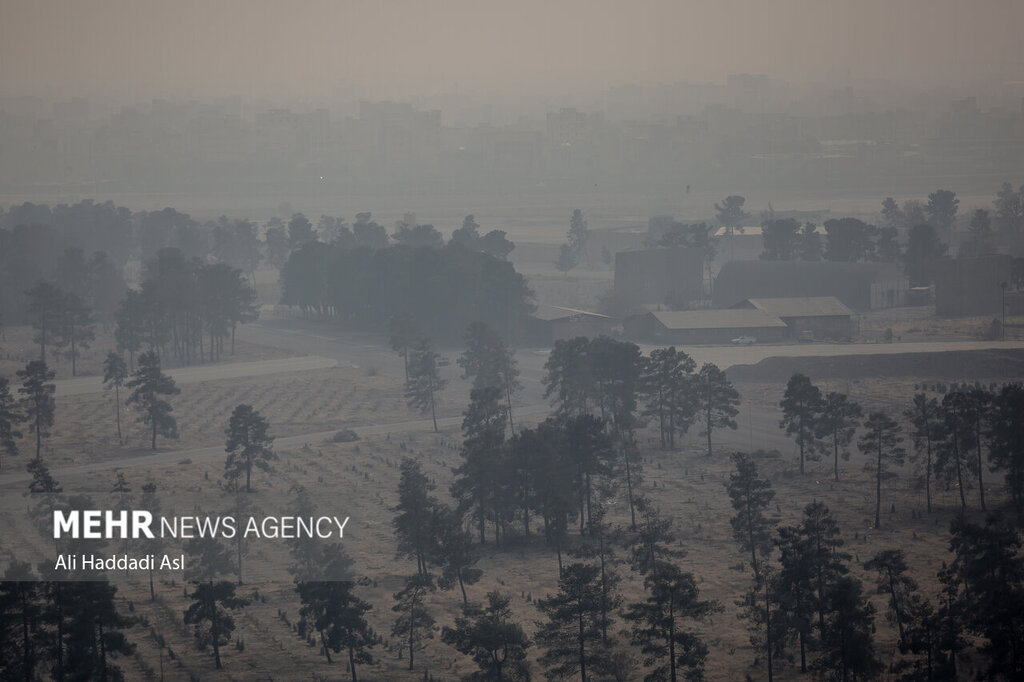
(1001, 365)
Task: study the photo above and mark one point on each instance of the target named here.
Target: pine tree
(881, 441)
(801, 405)
(149, 384)
(425, 383)
(589, 449)
(838, 422)
(717, 399)
(332, 609)
(752, 530)
(46, 306)
(94, 632)
(209, 613)
(414, 624)
(248, 445)
(567, 378)
(489, 362)
(415, 520)
(23, 638)
(115, 373)
(38, 403)
(571, 635)
(1007, 451)
(665, 387)
(659, 621)
(455, 554)
(652, 544)
(891, 567)
(847, 647)
(489, 635)
(480, 485)
(956, 442)
(76, 329)
(989, 565)
(924, 417)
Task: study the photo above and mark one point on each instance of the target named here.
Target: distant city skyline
(404, 49)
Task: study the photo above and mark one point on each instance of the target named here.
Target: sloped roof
(557, 312)
(740, 318)
(806, 306)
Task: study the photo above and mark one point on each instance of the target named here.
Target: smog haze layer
(404, 49)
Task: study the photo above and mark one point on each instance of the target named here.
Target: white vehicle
(745, 340)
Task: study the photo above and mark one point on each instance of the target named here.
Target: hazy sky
(310, 48)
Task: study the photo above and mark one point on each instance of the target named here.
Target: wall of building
(649, 276)
(970, 286)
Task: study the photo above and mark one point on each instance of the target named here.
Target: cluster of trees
(62, 321)
(807, 602)
(185, 306)
(957, 436)
(37, 407)
(442, 288)
(914, 233)
(603, 391)
(576, 635)
(65, 630)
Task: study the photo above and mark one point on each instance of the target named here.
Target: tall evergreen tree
(801, 405)
(332, 609)
(480, 483)
(75, 330)
(665, 387)
(953, 457)
(115, 373)
(209, 614)
(652, 544)
(838, 422)
(95, 632)
(567, 378)
(924, 417)
(659, 625)
(571, 635)
(493, 639)
(455, 554)
(415, 521)
(990, 566)
(425, 382)
(847, 647)
(1008, 440)
(23, 637)
(248, 445)
(890, 565)
(149, 385)
(488, 361)
(37, 401)
(717, 400)
(752, 530)
(881, 441)
(979, 416)
(46, 306)
(414, 624)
